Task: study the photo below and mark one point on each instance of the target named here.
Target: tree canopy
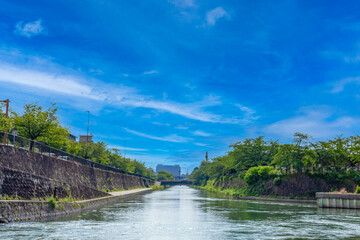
(164, 175)
(41, 124)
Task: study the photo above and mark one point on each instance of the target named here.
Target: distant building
(184, 176)
(173, 169)
(72, 137)
(85, 138)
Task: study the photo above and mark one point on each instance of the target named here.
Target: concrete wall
(66, 171)
(338, 200)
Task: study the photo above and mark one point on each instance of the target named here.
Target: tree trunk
(31, 145)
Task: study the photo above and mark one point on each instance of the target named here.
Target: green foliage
(333, 160)
(357, 191)
(52, 202)
(164, 175)
(252, 152)
(254, 174)
(157, 188)
(6, 124)
(41, 125)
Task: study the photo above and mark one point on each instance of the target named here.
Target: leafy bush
(265, 172)
(357, 189)
(354, 175)
(52, 202)
(254, 174)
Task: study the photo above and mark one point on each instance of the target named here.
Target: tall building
(173, 169)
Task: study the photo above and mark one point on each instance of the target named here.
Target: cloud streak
(202, 134)
(127, 148)
(170, 138)
(340, 85)
(29, 29)
(47, 81)
(116, 95)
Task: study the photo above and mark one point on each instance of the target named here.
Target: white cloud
(249, 113)
(150, 72)
(118, 95)
(201, 144)
(29, 29)
(170, 138)
(316, 121)
(202, 134)
(340, 85)
(47, 81)
(216, 14)
(127, 148)
(183, 3)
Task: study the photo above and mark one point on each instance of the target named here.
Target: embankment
(28, 178)
(292, 188)
(68, 172)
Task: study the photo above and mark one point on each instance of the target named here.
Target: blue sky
(172, 79)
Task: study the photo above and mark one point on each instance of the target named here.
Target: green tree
(164, 175)
(6, 124)
(42, 125)
(253, 152)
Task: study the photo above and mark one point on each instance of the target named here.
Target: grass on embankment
(157, 188)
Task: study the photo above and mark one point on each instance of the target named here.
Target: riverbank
(231, 193)
(29, 210)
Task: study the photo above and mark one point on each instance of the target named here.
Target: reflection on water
(181, 212)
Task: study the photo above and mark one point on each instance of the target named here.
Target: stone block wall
(66, 171)
(17, 184)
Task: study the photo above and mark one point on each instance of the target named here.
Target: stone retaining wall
(17, 184)
(67, 171)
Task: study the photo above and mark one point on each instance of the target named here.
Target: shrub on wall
(254, 174)
(357, 189)
(52, 202)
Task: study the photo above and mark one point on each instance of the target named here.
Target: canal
(182, 212)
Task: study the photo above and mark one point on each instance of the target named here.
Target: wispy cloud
(248, 112)
(201, 144)
(47, 81)
(214, 15)
(183, 3)
(170, 138)
(150, 72)
(340, 85)
(116, 95)
(202, 134)
(29, 29)
(127, 148)
(319, 122)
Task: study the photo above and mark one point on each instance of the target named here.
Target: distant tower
(206, 156)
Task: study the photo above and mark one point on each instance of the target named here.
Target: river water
(182, 212)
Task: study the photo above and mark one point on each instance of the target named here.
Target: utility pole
(87, 135)
(206, 156)
(6, 116)
(125, 149)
